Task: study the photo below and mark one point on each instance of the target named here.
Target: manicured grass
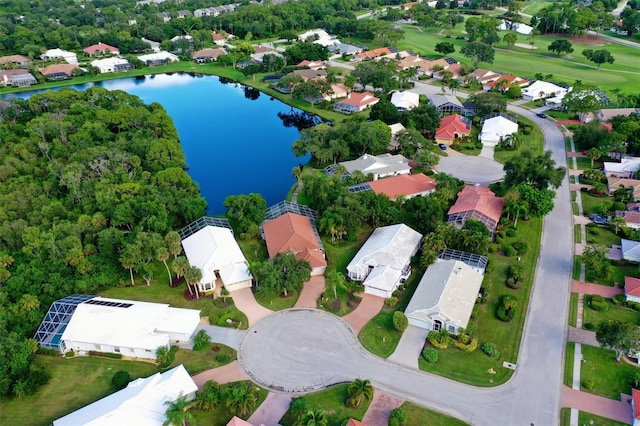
(533, 7)
(611, 378)
(332, 402)
(279, 302)
(573, 309)
(577, 232)
(220, 416)
(576, 269)
(162, 293)
(602, 236)
(614, 312)
(575, 209)
(423, 416)
(590, 203)
(254, 249)
(565, 416)
(585, 418)
(473, 368)
(619, 272)
(340, 253)
(533, 141)
(74, 383)
(198, 361)
(568, 364)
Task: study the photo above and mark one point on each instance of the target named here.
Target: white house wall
(84, 347)
(378, 292)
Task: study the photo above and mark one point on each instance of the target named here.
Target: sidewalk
(598, 405)
(591, 288)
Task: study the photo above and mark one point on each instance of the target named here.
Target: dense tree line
(92, 186)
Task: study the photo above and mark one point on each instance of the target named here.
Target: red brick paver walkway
(598, 405)
(225, 374)
(367, 309)
(311, 292)
(590, 288)
(378, 412)
(575, 154)
(246, 302)
(566, 122)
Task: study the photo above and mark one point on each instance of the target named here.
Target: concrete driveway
(410, 347)
(246, 302)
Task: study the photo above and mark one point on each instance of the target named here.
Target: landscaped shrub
(620, 299)
(491, 350)
(121, 379)
(430, 355)
(588, 384)
(507, 308)
(69, 354)
(598, 303)
(391, 301)
(400, 321)
(201, 340)
(515, 276)
(471, 346)
(588, 326)
(439, 339)
(521, 247)
(228, 320)
(511, 233)
(45, 351)
(222, 357)
(634, 305)
(509, 251)
(398, 417)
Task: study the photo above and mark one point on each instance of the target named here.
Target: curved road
(302, 350)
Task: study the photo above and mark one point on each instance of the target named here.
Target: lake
(233, 138)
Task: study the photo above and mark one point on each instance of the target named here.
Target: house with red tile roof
(631, 218)
(635, 406)
(475, 202)
(295, 233)
(632, 290)
(452, 127)
(372, 54)
(14, 59)
(454, 69)
(207, 55)
(58, 71)
(354, 422)
(101, 49)
(314, 65)
(504, 82)
(220, 38)
(407, 186)
(237, 421)
(310, 74)
(356, 102)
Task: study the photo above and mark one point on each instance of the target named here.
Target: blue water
(233, 145)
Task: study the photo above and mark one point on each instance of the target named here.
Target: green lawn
(573, 309)
(473, 368)
(585, 418)
(577, 231)
(220, 416)
(601, 236)
(611, 378)
(533, 141)
(422, 416)
(214, 355)
(162, 293)
(614, 312)
(278, 303)
(74, 383)
(568, 364)
(576, 269)
(565, 416)
(332, 402)
(533, 7)
(591, 203)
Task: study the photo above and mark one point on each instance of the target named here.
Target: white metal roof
(628, 164)
(496, 128)
(159, 56)
(141, 403)
(544, 87)
(141, 325)
(405, 100)
(215, 249)
(448, 288)
(384, 164)
(390, 246)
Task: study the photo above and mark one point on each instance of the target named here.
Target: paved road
(319, 349)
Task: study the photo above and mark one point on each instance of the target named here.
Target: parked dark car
(541, 115)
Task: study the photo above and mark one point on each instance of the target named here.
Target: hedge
(400, 321)
(430, 355)
(491, 350)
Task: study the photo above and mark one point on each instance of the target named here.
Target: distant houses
(207, 55)
(379, 166)
(19, 60)
(405, 101)
(446, 104)
(101, 49)
(542, 90)
(158, 58)
(17, 78)
(383, 262)
(356, 102)
(52, 54)
(453, 127)
(112, 65)
(394, 187)
(58, 71)
(497, 129)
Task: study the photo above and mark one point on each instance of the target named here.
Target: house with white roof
(68, 57)
(142, 402)
(158, 58)
(405, 101)
(626, 168)
(542, 90)
(111, 65)
(446, 294)
(380, 166)
(518, 27)
(127, 327)
(216, 252)
(495, 129)
(383, 262)
(321, 37)
(630, 250)
(395, 128)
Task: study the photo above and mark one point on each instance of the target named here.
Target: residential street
(315, 349)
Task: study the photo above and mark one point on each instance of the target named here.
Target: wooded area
(92, 184)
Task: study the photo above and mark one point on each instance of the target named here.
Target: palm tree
(162, 254)
(209, 397)
(172, 239)
(240, 399)
(178, 413)
(314, 417)
(453, 85)
(180, 265)
(336, 280)
(594, 154)
(617, 222)
(358, 392)
(623, 194)
(164, 356)
(193, 275)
